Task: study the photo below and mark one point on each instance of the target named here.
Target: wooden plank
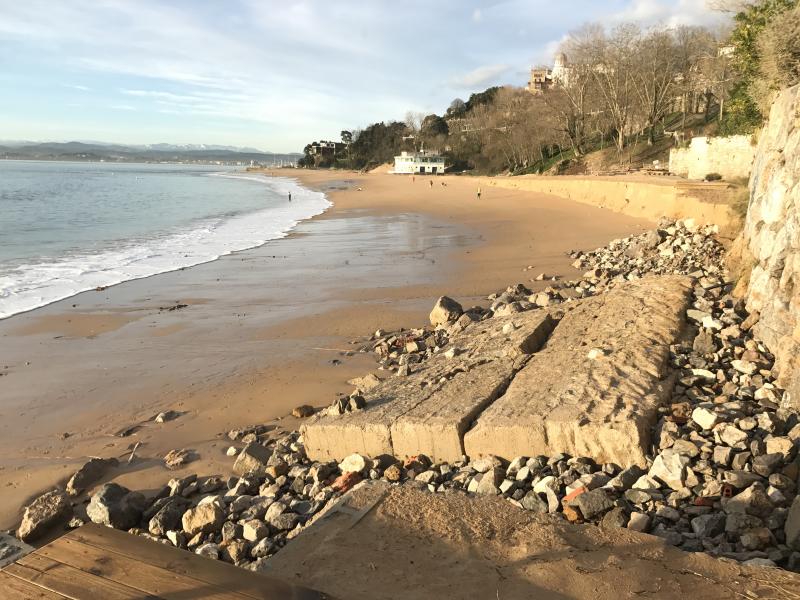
(150, 579)
(252, 585)
(14, 588)
(68, 581)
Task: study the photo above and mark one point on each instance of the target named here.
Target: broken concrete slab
(490, 358)
(603, 406)
(369, 431)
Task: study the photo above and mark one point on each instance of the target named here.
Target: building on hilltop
(419, 163)
(325, 148)
(544, 78)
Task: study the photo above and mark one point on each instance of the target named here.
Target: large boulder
(445, 310)
(49, 509)
(116, 506)
(89, 473)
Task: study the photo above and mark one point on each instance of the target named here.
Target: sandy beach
(265, 329)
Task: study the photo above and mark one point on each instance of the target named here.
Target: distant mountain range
(96, 151)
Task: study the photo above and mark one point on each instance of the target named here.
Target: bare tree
(613, 57)
(692, 46)
(575, 98)
(654, 69)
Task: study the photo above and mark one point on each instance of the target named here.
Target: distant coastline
(158, 153)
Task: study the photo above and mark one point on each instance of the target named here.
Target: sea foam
(34, 284)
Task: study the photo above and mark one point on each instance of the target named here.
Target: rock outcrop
(771, 237)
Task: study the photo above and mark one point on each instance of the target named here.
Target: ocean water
(71, 227)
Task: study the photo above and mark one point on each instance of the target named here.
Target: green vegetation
(765, 41)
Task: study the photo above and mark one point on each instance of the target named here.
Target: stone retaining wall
(732, 157)
(771, 238)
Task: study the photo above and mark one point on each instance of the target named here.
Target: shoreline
(392, 251)
(107, 276)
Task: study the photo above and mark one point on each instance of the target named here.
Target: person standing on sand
(290, 196)
(479, 192)
(431, 182)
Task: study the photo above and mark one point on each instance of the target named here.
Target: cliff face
(772, 236)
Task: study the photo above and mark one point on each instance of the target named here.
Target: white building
(419, 163)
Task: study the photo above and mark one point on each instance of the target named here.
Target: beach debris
(303, 411)
(346, 404)
(176, 306)
(128, 431)
(89, 473)
(133, 452)
(48, 510)
(116, 506)
(175, 459)
(167, 415)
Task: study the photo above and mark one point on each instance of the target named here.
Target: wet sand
(265, 329)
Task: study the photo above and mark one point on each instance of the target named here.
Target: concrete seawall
(637, 196)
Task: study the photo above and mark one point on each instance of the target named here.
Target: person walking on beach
(290, 196)
(479, 192)
(431, 182)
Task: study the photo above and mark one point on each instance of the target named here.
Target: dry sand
(414, 545)
(262, 326)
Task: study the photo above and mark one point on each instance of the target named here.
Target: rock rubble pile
(721, 477)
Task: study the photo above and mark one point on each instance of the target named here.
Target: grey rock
(252, 460)
(89, 473)
(752, 501)
(534, 503)
(48, 510)
(116, 506)
(592, 503)
(707, 526)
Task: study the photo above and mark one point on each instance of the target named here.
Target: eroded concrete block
(603, 406)
(491, 357)
(442, 394)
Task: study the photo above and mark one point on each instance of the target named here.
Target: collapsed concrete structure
(585, 378)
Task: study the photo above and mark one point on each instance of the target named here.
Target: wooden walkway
(99, 563)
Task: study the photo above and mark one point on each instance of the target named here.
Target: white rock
(704, 417)
(355, 463)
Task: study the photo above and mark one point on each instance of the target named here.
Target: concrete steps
(525, 385)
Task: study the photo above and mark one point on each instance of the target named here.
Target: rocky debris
(721, 471)
(175, 459)
(303, 411)
(116, 506)
(347, 404)
(89, 473)
(50, 509)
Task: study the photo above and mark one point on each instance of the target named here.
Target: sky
(271, 74)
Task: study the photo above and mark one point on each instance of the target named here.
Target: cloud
(80, 88)
(477, 15)
(478, 77)
(668, 13)
(123, 107)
